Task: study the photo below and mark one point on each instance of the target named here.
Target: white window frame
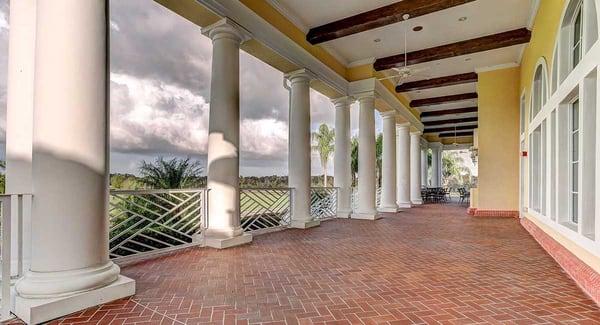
(574, 219)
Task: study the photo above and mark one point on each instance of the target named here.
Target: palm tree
(170, 174)
(354, 160)
(323, 141)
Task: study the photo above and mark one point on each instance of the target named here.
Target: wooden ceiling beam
(450, 111)
(457, 134)
(451, 121)
(379, 17)
(450, 128)
(457, 79)
(441, 100)
(481, 44)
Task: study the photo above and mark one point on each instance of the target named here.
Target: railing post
(6, 258)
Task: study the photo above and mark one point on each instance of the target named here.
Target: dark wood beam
(457, 134)
(450, 128)
(441, 100)
(379, 17)
(457, 79)
(450, 111)
(452, 121)
(486, 43)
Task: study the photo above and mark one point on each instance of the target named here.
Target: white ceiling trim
(287, 13)
(497, 67)
(270, 36)
(535, 6)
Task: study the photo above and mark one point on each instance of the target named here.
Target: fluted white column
(341, 159)
(366, 159)
(424, 166)
(388, 164)
(223, 161)
(415, 168)
(436, 161)
(403, 165)
(70, 165)
(19, 118)
(299, 148)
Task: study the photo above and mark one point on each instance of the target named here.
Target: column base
(344, 214)
(304, 224)
(221, 241)
(389, 209)
(405, 205)
(365, 216)
(417, 202)
(35, 310)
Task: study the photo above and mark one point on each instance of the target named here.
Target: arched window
(578, 32)
(539, 90)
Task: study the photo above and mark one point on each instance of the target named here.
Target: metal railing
(150, 221)
(264, 209)
(11, 233)
(323, 202)
(354, 198)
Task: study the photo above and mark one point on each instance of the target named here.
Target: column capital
(435, 145)
(226, 28)
(389, 115)
(343, 102)
(301, 75)
(402, 126)
(367, 95)
(416, 133)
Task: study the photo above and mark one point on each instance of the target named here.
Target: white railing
(323, 202)
(354, 198)
(265, 209)
(153, 221)
(11, 233)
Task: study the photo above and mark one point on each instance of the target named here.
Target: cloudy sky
(160, 91)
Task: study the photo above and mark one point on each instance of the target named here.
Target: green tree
(378, 156)
(323, 141)
(170, 174)
(455, 172)
(354, 159)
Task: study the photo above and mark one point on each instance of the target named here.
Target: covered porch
(521, 249)
(432, 264)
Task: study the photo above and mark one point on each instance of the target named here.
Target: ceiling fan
(401, 74)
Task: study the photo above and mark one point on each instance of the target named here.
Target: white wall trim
(535, 7)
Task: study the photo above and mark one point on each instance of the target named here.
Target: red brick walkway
(431, 265)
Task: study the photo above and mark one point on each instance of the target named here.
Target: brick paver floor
(430, 265)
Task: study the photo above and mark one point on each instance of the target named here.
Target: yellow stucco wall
(498, 139)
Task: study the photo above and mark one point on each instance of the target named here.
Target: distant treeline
(132, 182)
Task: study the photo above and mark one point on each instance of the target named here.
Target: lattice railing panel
(354, 198)
(149, 220)
(263, 209)
(323, 202)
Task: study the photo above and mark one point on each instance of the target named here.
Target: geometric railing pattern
(323, 202)
(265, 208)
(143, 221)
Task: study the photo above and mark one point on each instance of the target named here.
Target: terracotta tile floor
(431, 265)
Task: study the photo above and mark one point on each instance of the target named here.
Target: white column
(388, 164)
(403, 165)
(70, 166)
(366, 159)
(299, 148)
(415, 168)
(223, 162)
(19, 118)
(341, 159)
(424, 166)
(436, 160)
